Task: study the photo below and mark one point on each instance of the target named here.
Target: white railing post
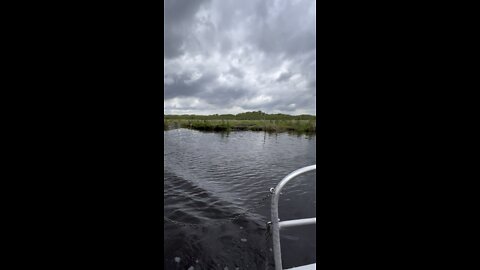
(276, 224)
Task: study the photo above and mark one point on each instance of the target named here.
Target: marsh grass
(296, 126)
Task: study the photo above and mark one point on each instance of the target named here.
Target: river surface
(216, 204)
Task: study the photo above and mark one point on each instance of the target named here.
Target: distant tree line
(255, 115)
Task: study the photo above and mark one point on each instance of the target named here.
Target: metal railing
(277, 224)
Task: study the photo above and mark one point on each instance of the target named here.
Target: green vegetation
(259, 115)
(254, 121)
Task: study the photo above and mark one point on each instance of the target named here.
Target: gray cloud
(228, 56)
(186, 85)
(285, 76)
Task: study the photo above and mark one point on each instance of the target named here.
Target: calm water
(211, 177)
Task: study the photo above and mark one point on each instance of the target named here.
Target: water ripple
(211, 177)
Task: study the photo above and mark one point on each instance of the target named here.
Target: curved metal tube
(297, 222)
(277, 252)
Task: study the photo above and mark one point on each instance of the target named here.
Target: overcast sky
(232, 56)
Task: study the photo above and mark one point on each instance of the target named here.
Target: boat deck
(305, 267)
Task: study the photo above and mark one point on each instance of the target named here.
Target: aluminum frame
(276, 224)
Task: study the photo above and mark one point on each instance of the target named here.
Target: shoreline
(273, 126)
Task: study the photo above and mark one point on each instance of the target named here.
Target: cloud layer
(230, 56)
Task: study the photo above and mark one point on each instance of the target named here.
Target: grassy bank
(299, 126)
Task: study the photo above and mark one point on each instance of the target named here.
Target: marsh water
(216, 204)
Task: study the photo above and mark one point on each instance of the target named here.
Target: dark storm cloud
(179, 20)
(231, 56)
(225, 96)
(183, 85)
(205, 87)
